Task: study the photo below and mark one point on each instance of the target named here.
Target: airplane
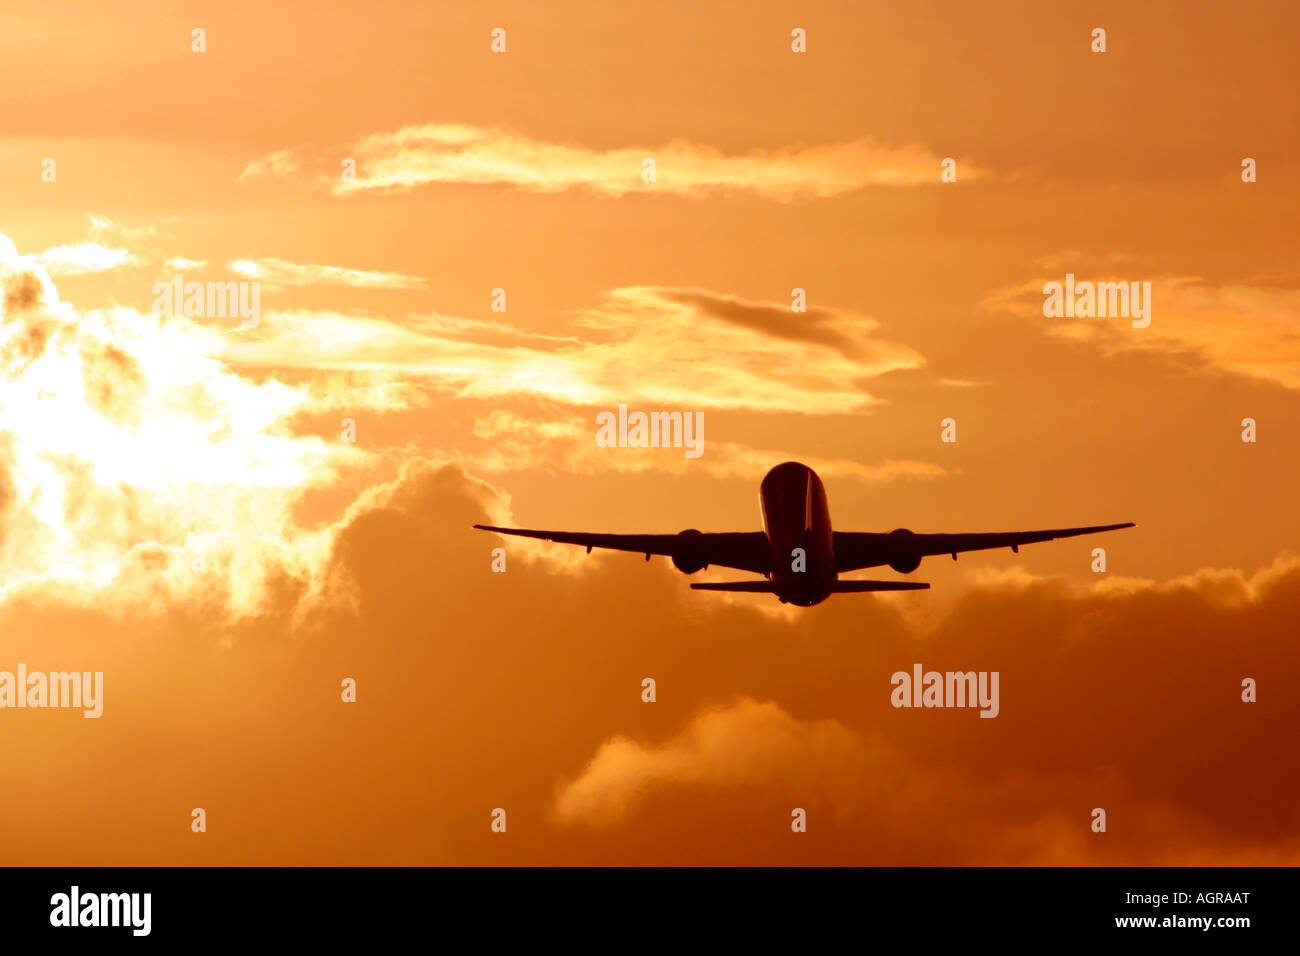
(797, 553)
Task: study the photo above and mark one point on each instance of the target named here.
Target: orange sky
(179, 508)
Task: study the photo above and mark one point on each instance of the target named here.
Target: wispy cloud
(82, 258)
(455, 153)
(283, 162)
(107, 245)
(276, 273)
(683, 348)
(518, 442)
(1250, 327)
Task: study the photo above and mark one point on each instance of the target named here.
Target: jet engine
(686, 561)
(905, 563)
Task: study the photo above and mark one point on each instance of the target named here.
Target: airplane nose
(785, 467)
(788, 476)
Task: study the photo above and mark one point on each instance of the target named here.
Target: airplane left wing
(856, 549)
(743, 550)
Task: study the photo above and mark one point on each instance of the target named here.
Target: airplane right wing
(743, 550)
(857, 549)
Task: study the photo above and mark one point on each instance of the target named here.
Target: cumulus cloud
(455, 153)
(748, 743)
(146, 488)
(522, 690)
(120, 432)
(1091, 679)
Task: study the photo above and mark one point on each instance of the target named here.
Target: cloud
(1249, 327)
(120, 432)
(82, 258)
(755, 715)
(415, 156)
(149, 527)
(101, 227)
(1090, 679)
(518, 442)
(747, 743)
(276, 273)
(280, 163)
(673, 348)
(108, 245)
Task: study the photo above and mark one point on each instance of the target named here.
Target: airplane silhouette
(798, 554)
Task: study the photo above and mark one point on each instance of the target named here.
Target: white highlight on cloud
(82, 258)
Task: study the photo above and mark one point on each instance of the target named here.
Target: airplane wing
(856, 549)
(743, 550)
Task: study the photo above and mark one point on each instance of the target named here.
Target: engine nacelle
(905, 563)
(687, 562)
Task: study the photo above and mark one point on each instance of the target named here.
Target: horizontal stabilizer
(844, 587)
(758, 587)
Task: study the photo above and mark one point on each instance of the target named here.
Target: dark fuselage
(795, 516)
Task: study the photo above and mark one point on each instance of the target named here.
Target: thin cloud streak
(276, 273)
(519, 443)
(421, 155)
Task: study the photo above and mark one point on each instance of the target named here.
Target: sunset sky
(181, 506)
